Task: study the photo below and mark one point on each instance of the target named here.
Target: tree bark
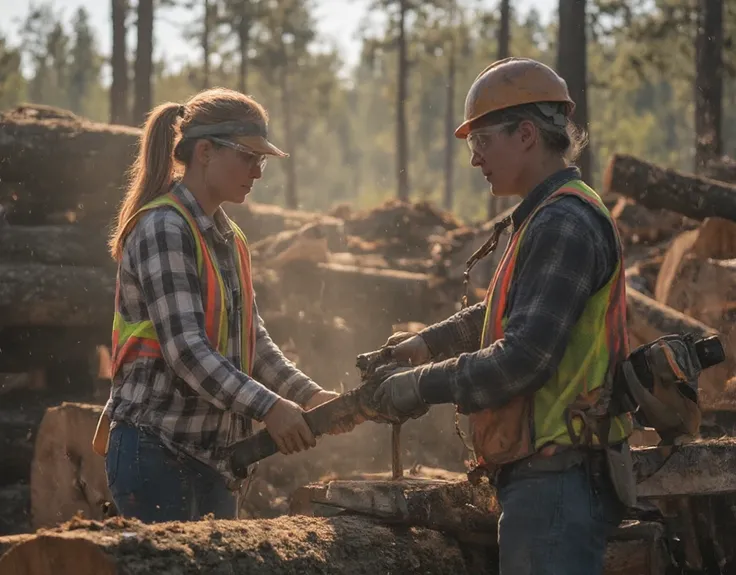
(496, 204)
(276, 546)
(69, 245)
(659, 188)
(708, 83)
(41, 295)
(143, 62)
(84, 166)
(66, 475)
(244, 26)
(119, 63)
(402, 143)
(573, 67)
(206, 33)
(450, 111)
(292, 199)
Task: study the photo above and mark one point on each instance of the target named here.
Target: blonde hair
(162, 153)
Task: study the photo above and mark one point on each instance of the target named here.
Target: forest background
(652, 78)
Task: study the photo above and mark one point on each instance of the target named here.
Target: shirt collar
(218, 223)
(541, 192)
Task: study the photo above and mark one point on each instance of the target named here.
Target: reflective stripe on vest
(598, 341)
(139, 339)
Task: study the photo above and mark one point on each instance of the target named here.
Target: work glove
(398, 395)
(409, 348)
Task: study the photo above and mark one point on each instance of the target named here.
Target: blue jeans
(152, 484)
(554, 523)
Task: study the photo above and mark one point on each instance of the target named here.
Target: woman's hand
(324, 396)
(285, 423)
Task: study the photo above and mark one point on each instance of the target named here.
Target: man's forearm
(459, 333)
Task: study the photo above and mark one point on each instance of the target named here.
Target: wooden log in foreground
(284, 545)
(659, 188)
(41, 295)
(636, 548)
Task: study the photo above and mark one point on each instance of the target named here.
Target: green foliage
(641, 94)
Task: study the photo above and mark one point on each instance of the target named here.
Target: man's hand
(285, 423)
(398, 396)
(409, 348)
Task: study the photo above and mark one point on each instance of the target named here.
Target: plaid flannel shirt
(568, 253)
(194, 400)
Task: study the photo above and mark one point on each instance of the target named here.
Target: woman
(193, 364)
(527, 363)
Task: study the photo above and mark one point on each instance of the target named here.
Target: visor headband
(227, 129)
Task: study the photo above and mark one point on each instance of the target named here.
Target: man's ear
(528, 133)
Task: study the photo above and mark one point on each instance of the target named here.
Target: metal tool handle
(251, 450)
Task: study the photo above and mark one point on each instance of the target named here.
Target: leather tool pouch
(621, 472)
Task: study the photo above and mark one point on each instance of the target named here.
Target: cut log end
(53, 555)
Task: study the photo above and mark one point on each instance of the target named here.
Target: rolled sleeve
(274, 369)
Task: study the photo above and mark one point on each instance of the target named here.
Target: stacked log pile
(329, 286)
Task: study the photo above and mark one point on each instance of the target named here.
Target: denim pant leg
(555, 524)
(146, 480)
(212, 494)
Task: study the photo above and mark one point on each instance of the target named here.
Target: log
(8, 541)
(42, 295)
(65, 350)
(259, 220)
(66, 163)
(17, 434)
(69, 245)
(637, 548)
(15, 510)
(648, 319)
(659, 188)
(275, 546)
(467, 513)
(429, 503)
(371, 298)
(67, 477)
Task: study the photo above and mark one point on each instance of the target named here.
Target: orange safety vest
(598, 342)
(139, 339)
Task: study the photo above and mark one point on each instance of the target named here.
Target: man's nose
(476, 160)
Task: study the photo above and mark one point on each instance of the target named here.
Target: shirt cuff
(303, 392)
(434, 383)
(260, 405)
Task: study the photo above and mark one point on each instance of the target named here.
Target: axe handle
(321, 419)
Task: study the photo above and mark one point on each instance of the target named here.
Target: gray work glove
(398, 395)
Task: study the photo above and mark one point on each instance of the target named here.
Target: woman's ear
(202, 152)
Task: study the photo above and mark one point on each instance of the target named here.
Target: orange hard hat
(512, 82)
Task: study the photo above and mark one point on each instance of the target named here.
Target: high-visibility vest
(139, 339)
(598, 342)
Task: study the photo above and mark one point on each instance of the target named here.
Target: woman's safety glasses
(258, 159)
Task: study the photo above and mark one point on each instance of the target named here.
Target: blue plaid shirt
(195, 400)
(569, 252)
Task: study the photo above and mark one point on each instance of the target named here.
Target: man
(529, 363)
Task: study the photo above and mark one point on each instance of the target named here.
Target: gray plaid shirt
(569, 252)
(194, 400)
